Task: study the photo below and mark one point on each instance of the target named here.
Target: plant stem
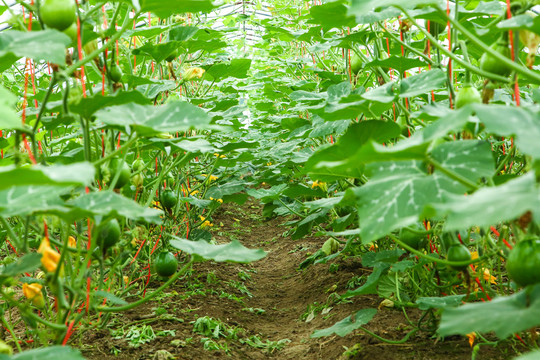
(451, 174)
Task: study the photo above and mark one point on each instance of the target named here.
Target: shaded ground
(265, 310)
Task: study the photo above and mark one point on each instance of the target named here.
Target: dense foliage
(404, 133)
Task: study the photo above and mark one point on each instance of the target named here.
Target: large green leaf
(74, 174)
(510, 120)
(331, 14)
(233, 251)
(49, 353)
(361, 7)
(492, 205)
(165, 9)
(88, 106)
(108, 203)
(27, 263)
(27, 200)
(533, 355)
(158, 52)
(238, 68)
(149, 120)
(505, 315)
(9, 119)
(347, 325)
(357, 135)
(47, 45)
(422, 83)
(471, 159)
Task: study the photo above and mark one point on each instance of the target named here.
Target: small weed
(355, 282)
(225, 295)
(257, 311)
(240, 286)
(269, 346)
(211, 278)
(242, 275)
(135, 335)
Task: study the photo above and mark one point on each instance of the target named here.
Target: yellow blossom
(489, 278)
(471, 337)
(193, 73)
(194, 192)
(49, 256)
(72, 242)
(319, 184)
(269, 163)
(219, 156)
(33, 293)
(218, 200)
(206, 223)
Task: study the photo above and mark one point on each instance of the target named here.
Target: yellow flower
(471, 337)
(319, 184)
(218, 200)
(49, 256)
(489, 278)
(212, 177)
(269, 163)
(193, 73)
(202, 217)
(72, 242)
(33, 293)
(206, 223)
(219, 156)
(194, 192)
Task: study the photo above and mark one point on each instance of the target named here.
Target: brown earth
(269, 299)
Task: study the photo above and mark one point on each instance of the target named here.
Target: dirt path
(265, 310)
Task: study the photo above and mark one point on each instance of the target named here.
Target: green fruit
(468, 95)
(412, 238)
(458, 252)
(138, 181)
(58, 14)
(108, 234)
(137, 165)
(523, 263)
(116, 74)
(435, 28)
(166, 264)
(168, 199)
(125, 172)
(173, 55)
(72, 33)
(490, 64)
(356, 63)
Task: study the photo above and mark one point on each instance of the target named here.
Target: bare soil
(269, 300)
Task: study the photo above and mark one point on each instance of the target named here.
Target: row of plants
(404, 133)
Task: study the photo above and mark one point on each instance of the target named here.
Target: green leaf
(49, 353)
(396, 196)
(426, 303)
(27, 200)
(360, 7)
(88, 106)
(267, 195)
(27, 263)
(506, 121)
(533, 355)
(505, 315)
(73, 174)
(158, 52)
(9, 119)
(233, 251)
(330, 15)
(238, 68)
(113, 299)
(149, 120)
(109, 204)
(356, 136)
(164, 9)
(422, 83)
(491, 205)
(471, 159)
(46, 45)
(347, 325)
